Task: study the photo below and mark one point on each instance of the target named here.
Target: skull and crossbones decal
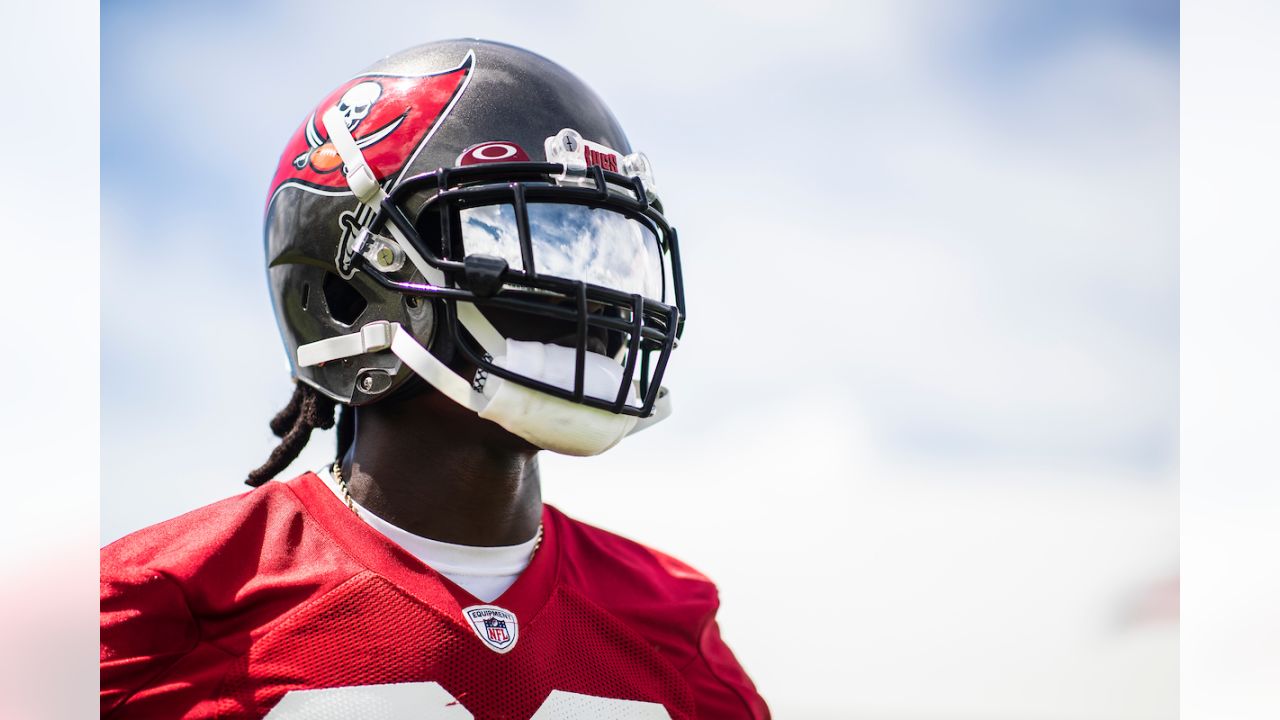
(355, 105)
(358, 101)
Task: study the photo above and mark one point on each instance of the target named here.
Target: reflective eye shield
(535, 238)
(575, 242)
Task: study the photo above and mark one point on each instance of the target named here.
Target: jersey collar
(381, 556)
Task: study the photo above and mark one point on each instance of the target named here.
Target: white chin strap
(547, 421)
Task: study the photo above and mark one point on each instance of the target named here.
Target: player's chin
(490, 434)
(503, 440)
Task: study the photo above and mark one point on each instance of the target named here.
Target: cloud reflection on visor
(574, 242)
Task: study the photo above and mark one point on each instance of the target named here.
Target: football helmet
(472, 213)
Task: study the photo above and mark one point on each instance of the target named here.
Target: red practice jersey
(281, 603)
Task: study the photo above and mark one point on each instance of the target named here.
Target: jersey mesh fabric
(222, 612)
(342, 642)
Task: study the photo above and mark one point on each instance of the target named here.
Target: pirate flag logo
(391, 117)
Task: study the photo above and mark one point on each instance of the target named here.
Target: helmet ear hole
(343, 299)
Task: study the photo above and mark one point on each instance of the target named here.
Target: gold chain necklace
(342, 483)
(346, 496)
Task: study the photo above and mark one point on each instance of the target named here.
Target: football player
(470, 264)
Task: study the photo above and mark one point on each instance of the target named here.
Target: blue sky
(931, 250)
(192, 120)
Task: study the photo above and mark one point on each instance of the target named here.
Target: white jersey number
(429, 701)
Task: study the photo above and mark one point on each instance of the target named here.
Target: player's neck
(439, 477)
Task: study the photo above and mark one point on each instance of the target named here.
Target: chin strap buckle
(374, 337)
(359, 176)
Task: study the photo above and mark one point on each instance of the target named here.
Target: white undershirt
(485, 572)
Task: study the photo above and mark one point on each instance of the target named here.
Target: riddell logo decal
(391, 117)
(496, 627)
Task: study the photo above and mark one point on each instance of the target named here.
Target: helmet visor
(574, 242)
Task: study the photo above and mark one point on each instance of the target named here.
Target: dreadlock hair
(308, 409)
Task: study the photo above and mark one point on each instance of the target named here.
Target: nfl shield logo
(496, 627)
(496, 630)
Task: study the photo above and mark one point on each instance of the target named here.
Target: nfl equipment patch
(496, 627)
